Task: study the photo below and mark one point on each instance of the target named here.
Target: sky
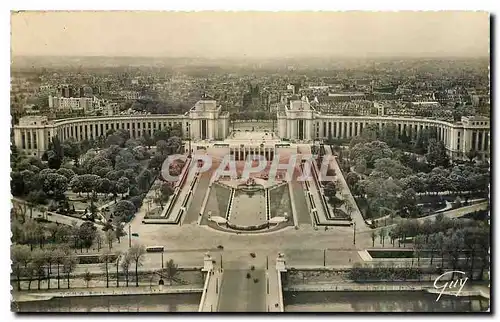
(250, 34)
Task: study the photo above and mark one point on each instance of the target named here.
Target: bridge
(242, 290)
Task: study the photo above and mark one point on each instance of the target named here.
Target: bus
(155, 249)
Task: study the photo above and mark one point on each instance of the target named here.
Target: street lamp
(129, 236)
(189, 139)
(162, 260)
(354, 233)
(117, 272)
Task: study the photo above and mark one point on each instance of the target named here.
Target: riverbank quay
(27, 296)
(480, 289)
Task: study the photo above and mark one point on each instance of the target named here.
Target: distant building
(66, 91)
(68, 104)
(130, 95)
(347, 97)
(111, 109)
(358, 107)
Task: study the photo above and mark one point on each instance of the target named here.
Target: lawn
(280, 201)
(218, 200)
(363, 207)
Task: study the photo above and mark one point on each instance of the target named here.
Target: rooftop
(205, 105)
(299, 106)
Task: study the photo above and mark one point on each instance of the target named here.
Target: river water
(126, 303)
(380, 302)
(294, 302)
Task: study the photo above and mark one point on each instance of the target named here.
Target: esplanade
(299, 122)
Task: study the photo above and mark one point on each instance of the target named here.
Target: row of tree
(37, 233)
(57, 263)
(40, 264)
(391, 187)
(451, 239)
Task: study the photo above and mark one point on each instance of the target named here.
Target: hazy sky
(224, 34)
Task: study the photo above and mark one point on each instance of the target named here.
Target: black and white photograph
(245, 161)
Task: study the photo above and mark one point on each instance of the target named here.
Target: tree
(156, 162)
(370, 152)
(436, 154)
(171, 271)
(59, 255)
(76, 185)
(125, 265)
(106, 259)
(382, 233)
(88, 183)
(348, 207)
(114, 139)
(418, 245)
(132, 143)
(174, 143)
(123, 185)
(390, 168)
(17, 187)
(63, 234)
(162, 147)
(21, 257)
(427, 229)
(98, 239)
(119, 232)
(454, 245)
(87, 277)
(54, 155)
(352, 179)
(109, 238)
(49, 260)
(32, 232)
(335, 202)
(126, 160)
(69, 265)
(161, 135)
(433, 244)
(114, 175)
(124, 210)
(144, 180)
(166, 191)
(103, 186)
(330, 189)
(86, 234)
(389, 134)
(146, 140)
(72, 149)
(407, 201)
(30, 273)
(136, 253)
(360, 166)
(137, 200)
(472, 154)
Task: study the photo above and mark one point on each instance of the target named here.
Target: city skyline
(251, 34)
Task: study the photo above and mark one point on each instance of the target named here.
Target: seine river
(125, 303)
(380, 302)
(294, 302)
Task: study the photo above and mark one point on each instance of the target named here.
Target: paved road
(210, 303)
(53, 217)
(303, 216)
(194, 209)
(182, 194)
(356, 215)
(241, 294)
(452, 214)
